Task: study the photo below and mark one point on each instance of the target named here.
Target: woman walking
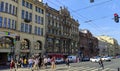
(53, 66)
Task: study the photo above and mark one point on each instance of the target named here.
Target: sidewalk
(41, 69)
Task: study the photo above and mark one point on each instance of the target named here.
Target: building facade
(108, 46)
(61, 32)
(22, 28)
(88, 44)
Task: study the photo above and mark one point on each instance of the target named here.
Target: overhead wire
(101, 3)
(81, 15)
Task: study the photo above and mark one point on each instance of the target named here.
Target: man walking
(101, 63)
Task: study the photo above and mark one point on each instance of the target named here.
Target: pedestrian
(101, 63)
(35, 66)
(30, 63)
(53, 66)
(25, 62)
(45, 62)
(12, 65)
(67, 62)
(40, 62)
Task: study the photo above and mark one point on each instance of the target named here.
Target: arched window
(6, 42)
(38, 45)
(25, 44)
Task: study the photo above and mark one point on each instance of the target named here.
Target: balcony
(27, 20)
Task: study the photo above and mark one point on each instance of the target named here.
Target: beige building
(108, 46)
(22, 28)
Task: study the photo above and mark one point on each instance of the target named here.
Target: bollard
(118, 69)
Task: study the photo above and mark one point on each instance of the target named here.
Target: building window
(13, 11)
(39, 20)
(0, 21)
(30, 29)
(10, 7)
(30, 16)
(5, 22)
(26, 27)
(13, 21)
(42, 20)
(23, 2)
(26, 16)
(38, 45)
(16, 11)
(2, 6)
(6, 7)
(25, 44)
(22, 27)
(27, 4)
(35, 30)
(15, 25)
(35, 18)
(42, 11)
(23, 13)
(9, 23)
(41, 31)
(30, 6)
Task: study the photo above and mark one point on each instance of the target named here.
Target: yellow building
(108, 46)
(22, 28)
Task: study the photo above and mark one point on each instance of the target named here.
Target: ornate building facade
(22, 28)
(62, 32)
(88, 44)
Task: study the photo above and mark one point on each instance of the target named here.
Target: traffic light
(116, 18)
(91, 1)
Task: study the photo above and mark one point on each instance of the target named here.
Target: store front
(25, 48)
(6, 49)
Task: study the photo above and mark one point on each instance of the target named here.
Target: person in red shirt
(12, 65)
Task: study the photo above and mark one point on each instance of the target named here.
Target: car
(59, 60)
(72, 58)
(95, 59)
(106, 58)
(85, 59)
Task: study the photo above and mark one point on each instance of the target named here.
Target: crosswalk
(82, 68)
(65, 68)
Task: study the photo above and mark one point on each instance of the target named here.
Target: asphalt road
(114, 64)
(82, 66)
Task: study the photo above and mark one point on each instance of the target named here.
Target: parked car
(95, 59)
(106, 58)
(85, 59)
(59, 60)
(72, 58)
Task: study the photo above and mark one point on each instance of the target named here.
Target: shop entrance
(3, 58)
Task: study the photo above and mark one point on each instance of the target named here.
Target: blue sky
(96, 17)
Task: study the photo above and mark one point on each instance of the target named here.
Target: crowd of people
(34, 63)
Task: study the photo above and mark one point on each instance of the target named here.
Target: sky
(97, 17)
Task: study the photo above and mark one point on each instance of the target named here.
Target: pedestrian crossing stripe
(82, 68)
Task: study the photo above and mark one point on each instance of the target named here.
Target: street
(82, 66)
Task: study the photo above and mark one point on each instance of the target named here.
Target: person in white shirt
(45, 62)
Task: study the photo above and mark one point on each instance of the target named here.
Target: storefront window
(6, 42)
(38, 45)
(24, 44)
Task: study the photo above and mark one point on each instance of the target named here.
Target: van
(72, 58)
